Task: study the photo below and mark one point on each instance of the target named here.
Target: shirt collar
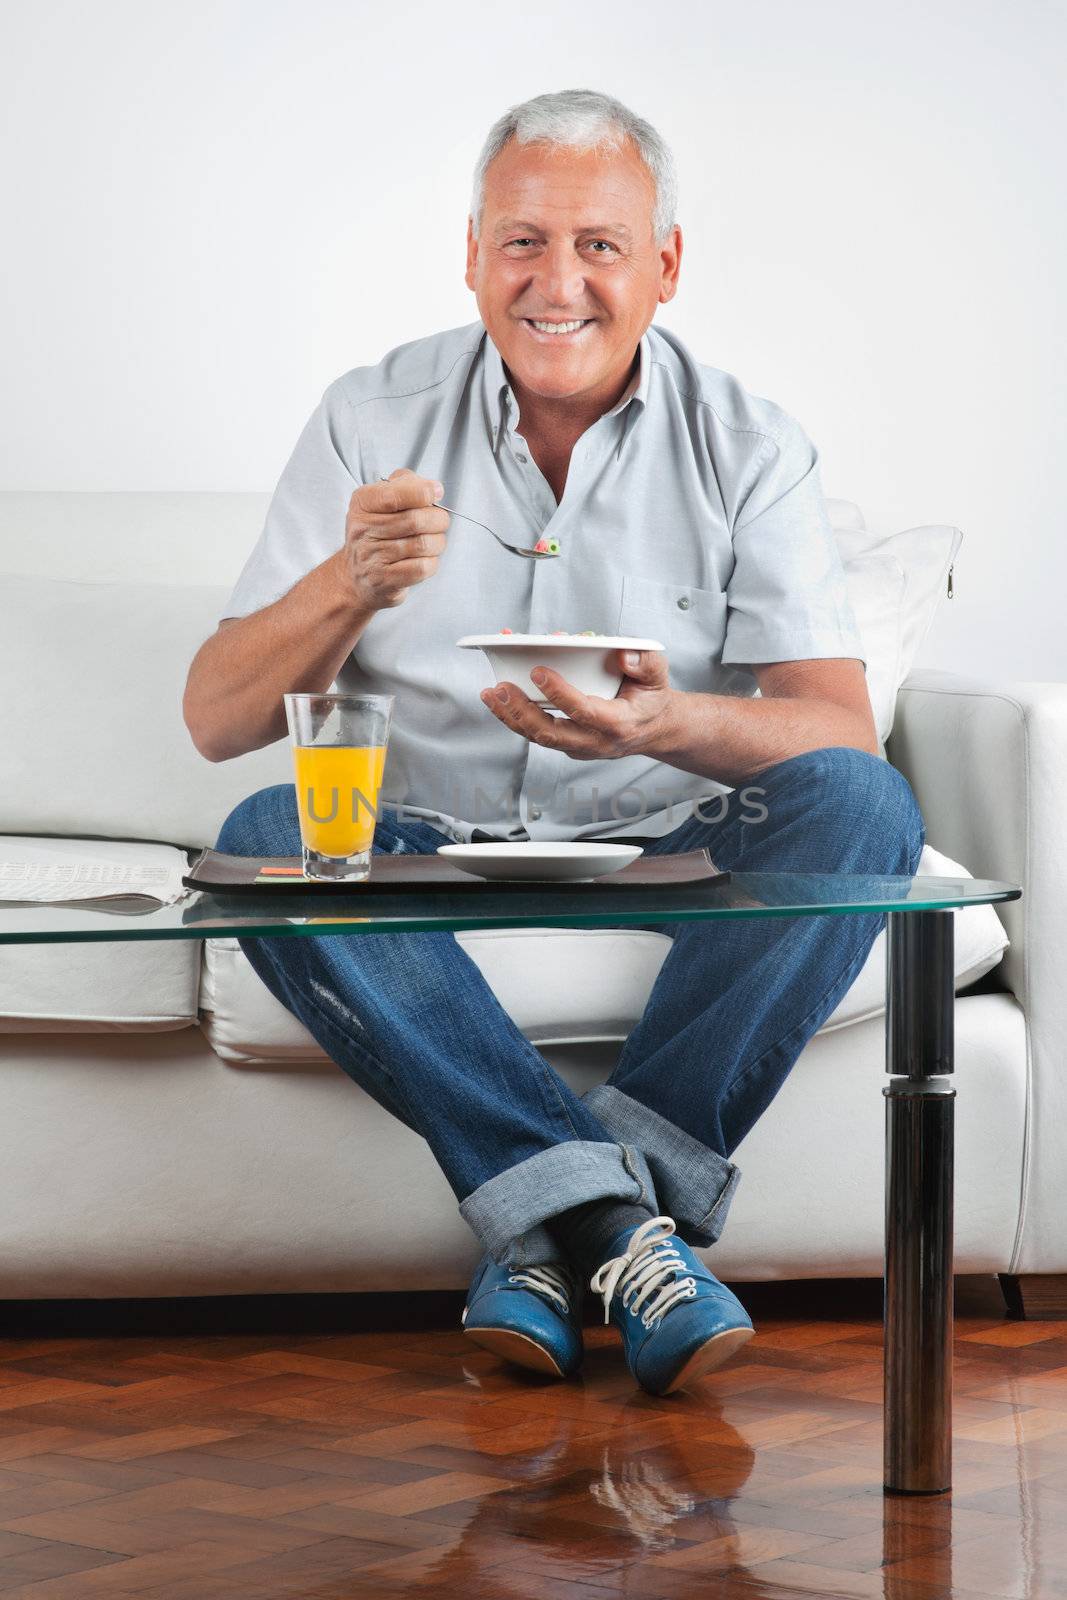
(502, 399)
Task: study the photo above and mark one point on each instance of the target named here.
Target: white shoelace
(648, 1265)
(553, 1281)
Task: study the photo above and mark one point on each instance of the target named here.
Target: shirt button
(534, 812)
(523, 459)
(683, 603)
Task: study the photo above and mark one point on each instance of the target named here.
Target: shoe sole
(719, 1348)
(516, 1347)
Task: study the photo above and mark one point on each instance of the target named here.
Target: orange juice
(337, 796)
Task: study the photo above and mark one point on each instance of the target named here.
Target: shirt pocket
(691, 622)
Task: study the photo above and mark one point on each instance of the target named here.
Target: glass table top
(291, 912)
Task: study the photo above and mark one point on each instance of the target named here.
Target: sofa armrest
(987, 762)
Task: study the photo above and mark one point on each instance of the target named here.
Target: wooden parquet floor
(404, 1461)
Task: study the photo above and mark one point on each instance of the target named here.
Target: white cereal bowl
(588, 663)
(541, 861)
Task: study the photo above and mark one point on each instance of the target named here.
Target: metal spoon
(516, 550)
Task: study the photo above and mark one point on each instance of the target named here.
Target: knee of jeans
(913, 823)
(875, 798)
(263, 823)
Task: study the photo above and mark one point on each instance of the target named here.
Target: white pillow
(925, 555)
(845, 514)
(980, 942)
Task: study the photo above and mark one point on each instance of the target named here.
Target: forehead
(538, 183)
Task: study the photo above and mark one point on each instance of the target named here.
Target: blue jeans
(411, 1019)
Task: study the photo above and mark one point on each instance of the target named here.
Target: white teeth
(558, 327)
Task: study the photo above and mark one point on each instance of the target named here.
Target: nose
(560, 278)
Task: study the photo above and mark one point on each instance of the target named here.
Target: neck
(561, 422)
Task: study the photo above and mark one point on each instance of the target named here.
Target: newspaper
(108, 874)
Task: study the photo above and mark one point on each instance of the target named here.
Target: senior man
(686, 509)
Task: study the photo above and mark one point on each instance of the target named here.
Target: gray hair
(583, 119)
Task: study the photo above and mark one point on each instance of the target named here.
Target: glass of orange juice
(339, 743)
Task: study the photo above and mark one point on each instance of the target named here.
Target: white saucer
(553, 861)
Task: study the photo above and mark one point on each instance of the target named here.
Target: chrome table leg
(920, 1104)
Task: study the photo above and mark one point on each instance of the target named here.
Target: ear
(472, 254)
(670, 257)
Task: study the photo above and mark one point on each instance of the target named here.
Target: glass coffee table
(919, 1053)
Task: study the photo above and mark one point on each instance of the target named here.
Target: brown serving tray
(218, 873)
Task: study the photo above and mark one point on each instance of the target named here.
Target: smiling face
(566, 236)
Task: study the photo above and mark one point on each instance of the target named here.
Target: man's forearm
(233, 697)
(731, 740)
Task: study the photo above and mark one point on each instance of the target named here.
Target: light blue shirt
(692, 514)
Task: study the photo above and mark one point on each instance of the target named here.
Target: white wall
(212, 210)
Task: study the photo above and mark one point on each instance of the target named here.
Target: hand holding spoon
(516, 550)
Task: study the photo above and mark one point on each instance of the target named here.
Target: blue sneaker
(676, 1319)
(529, 1315)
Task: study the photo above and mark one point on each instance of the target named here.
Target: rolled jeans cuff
(695, 1184)
(508, 1212)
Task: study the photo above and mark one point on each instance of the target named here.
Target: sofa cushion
(591, 983)
(979, 944)
(93, 651)
(587, 980)
(132, 986)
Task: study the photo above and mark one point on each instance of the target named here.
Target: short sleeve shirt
(692, 514)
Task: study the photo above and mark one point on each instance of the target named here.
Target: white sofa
(169, 1129)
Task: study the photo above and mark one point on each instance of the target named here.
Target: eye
(604, 241)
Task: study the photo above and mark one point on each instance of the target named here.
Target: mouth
(558, 332)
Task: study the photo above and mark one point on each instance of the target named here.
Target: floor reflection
(590, 1502)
